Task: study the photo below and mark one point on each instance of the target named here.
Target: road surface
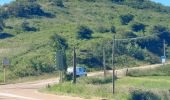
(29, 90)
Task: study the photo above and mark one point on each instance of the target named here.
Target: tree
(162, 32)
(58, 43)
(125, 19)
(138, 27)
(84, 32)
(59, 46)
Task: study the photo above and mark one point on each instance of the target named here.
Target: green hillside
(27, 25)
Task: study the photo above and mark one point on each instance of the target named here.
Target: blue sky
(164, 2)
(5, 1)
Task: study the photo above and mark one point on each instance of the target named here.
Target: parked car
(80, 71)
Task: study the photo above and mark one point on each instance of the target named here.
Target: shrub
(58, 43)
(84, 32)
(23, 9)
(2, 25)
(118, 0)
(144, 95)
(103, 29)
(57, 3)
(138, 27)
(59, 46)
(88, 0)
(129, 35)
(113, 29)
(25, 27)
(125, 19)
(162, 32)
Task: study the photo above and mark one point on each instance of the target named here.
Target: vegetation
(161, 71)
(141, 88)
(125, 19)
(57, 3)
(84, 32)
(28, 25)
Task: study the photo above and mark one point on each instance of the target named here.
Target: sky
(164, 2)
(5, 1)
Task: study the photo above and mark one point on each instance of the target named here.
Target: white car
(80, 71)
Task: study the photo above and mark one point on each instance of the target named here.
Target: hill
(27, 25)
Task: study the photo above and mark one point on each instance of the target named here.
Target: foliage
(84, 32)
(59, 46)
(144, 95)
(129, 34)
(125, 19)
(138, 27)
(103, 29)
(118, 1)
(25, 26)
(23, 49)
(113, 29)
(58, 43)
(23, 9)
(57, 3)
(2, 25)
(162, 32)
(144, 4)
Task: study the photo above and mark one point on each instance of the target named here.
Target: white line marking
(16, 96)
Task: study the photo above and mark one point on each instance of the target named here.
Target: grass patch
(88, 88)
(160, 71)
(28, 79)
(125, 88)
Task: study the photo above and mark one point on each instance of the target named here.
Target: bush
(58, 3)
(125, 19)
(23, 9)
(88, 0)
(103, 29)
(2, 25)
(113, 29)
(129, 35)
(25, 27)
(138, 27)
(84, 32)
(118, 0)
(162, 32)
(144, 95)
(58, 43)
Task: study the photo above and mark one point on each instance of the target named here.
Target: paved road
(28, 91)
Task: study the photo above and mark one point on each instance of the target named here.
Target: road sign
(5, 62)
(163, 59)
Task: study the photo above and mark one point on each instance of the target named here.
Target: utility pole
(74, 66)
(104, 62)
(4, 74)
(113, 58)
(164, 47)
(59, 64)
